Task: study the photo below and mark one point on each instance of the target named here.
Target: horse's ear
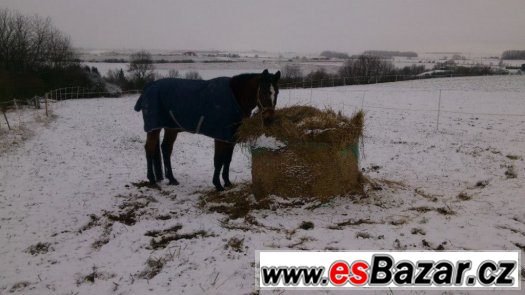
(265, 72)
(277, 76)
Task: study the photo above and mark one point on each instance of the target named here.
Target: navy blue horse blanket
(197, 106)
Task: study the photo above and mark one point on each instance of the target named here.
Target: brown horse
(247, 91)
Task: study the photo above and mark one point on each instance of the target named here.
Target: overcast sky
(475, 26)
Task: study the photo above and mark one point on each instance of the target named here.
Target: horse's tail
(138, 105)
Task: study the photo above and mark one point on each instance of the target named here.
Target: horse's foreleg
(218, 162)
(157, 163)
(170, 135)
(226, 168)
(151, 147)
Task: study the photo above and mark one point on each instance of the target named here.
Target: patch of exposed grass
(425, 195)
(146, 184)
(363, 235)
(301, 242)
(100, 243)
(158, 233)
(236, 203)
(463, 196)
(127, 217)
(511, 173)
(235, 244)
(482, 183)
(39, 248)
(440, 210)
(306, 225)
(427, 244)
(164, 240)
(445, 211)
(19, 286)
(514, 157)
(351, 222)
(398, 221)
(93, 276)
(418, 231)
(153, 267)
(422, 209)
(94, 220)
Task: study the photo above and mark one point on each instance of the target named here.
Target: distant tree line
(162, 61)
(390, 54)
(334, 54)
(361, 70)
(513, 54)
(36, 57)
(141, 71)
(379, 53)
(365, 69)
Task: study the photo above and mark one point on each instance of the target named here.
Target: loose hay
(319, 158)
(305, 124)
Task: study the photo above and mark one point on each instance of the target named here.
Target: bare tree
(35, 57)
(193, 75)
(141, 68)
(31, 42)
(173, 74)
(292, 73)
(366, 67)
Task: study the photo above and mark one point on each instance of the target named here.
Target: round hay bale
(314, 153)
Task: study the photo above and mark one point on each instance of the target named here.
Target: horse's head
(267, 95)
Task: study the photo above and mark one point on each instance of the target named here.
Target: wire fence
(431, 104)
(369, 79)
(43, 102)
(298, 92)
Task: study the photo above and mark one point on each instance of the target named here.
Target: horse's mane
(244, 77)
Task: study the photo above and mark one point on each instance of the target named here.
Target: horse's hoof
(219, 188)
(173, 182)
(228, 184)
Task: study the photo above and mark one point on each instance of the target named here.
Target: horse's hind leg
(227, 159)
(152, 155)
(218, 162)
(170, 135)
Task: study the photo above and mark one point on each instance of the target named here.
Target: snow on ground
(75, 218)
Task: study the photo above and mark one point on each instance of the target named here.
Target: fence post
(46, 104)
(18, 113)
(289, 94)
(439, 110)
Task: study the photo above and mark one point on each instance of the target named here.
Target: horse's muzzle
(268, 116)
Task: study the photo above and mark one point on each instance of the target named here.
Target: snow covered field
(75, 219)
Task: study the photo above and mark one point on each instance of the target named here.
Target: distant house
(189, 53)
(433, 73)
